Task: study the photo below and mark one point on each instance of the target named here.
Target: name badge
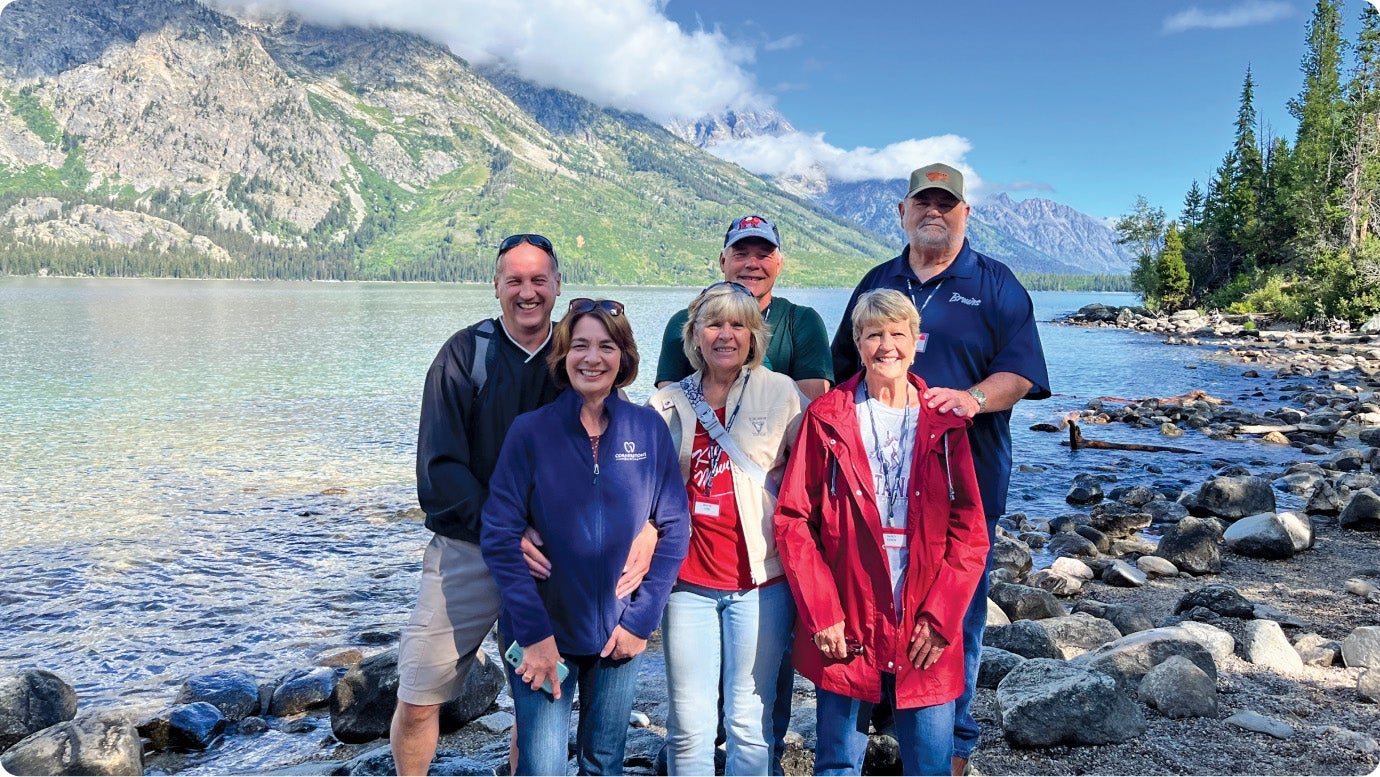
(894, 539)
(921, 342)
(710, 509)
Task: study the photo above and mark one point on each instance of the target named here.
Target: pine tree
(1317, 162)
(1171, 273)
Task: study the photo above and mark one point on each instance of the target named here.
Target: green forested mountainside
(1285, 228)
(163, 138)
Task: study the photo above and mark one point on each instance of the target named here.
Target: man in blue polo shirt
(979, 352)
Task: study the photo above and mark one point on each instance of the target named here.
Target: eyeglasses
(513, 241)
(734, 285)
(585, 305)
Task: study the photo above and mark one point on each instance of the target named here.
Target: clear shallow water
(203, 475)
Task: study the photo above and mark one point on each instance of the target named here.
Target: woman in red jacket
(881, 531)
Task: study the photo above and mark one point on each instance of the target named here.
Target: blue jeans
(741, 637)
(924, 733)
(607, 688)
(974, 625)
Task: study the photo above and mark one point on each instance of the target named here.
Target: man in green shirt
(799, 344)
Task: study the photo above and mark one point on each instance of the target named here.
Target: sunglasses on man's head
(732, 285)
(513, 241)
(585, 305)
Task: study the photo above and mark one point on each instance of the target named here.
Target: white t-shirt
(888, 435)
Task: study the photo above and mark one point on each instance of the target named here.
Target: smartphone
(514, 657)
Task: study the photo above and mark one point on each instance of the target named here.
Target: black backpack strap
(484, 354)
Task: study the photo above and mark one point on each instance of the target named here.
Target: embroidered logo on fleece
(630, 453)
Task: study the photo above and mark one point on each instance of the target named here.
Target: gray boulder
(995, 665)
(995, 617)
(1154, 566)
(185, 726)
(1300, 529)
(1024, 602)
(1236, 497)
(1074, 635)
(1128, 659)
(94, 743)
(1191, 545)
(1259, 536)
(1162, 511)
(33, 700)
(1116, 519)
(1101, 541)
(1221, 599)
(1254, 721)
(1368, 685)
(1123, 575)
(1044, 702)
(1317, 651)
(1071, 544)
(1011, 555)
(1024, 638)
(1057, 583)
(1179, 689)
(1127, 618)
(302, 691)
(1219, 642)
(1347, 460)
(1362, 647)
(1086, 489)
(1325, 500)
(1073, 568)
(1362, 512)
(363, 700)
(234, 693)
(1263, 643)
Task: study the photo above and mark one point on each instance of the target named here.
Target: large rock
(96, 743)
(33, 700)
(187, 726)
(302, 691)
(1044, 702)
(1362, 512)
(1128, 618)
(1219, 642)
(1300, 529)
(1368, 685)
(1259, 536)
(1119, 520)
(1071, 544)
(1024, 638)
(1325, 500)
(1057, 583)
(1154, 567)
(1074, 635)
(235, 694)
(1165, 512)
(1073, 568)
(1128, 659)
(995, 665)
(1086, 489)
(1121, 574)
(1178, 688)
(1236, 497)
(995, 616)
(1362, 647)
(363, 700)
(1024, 602)
(1316, 650)
(1263, 643)
(1011, 555)
(1221, 599)
(1191, 545)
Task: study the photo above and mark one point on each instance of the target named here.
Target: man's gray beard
(924, 242)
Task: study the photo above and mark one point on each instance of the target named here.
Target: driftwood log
(1196, 395)
(1076, 441)
(1325, 431)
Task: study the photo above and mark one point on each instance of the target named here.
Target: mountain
(164, 137)
(1060, 231)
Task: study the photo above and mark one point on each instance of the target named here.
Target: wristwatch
(980, 396)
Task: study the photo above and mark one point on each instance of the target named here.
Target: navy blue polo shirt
(978, 320)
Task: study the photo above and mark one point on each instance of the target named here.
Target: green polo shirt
(798, 344)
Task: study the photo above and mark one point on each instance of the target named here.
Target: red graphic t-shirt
(718, 556)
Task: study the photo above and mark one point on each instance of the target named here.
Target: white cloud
(1245, 14)
(782, 44)
(808, 154)
(619, 53)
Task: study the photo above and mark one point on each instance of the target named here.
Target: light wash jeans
(741, 636)
(607, 689)
(925, 734)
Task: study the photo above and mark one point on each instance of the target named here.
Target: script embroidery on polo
(965, 300)
(630, 453)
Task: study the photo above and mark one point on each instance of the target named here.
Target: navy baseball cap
(752, 226)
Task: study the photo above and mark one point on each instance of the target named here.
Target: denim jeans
(974, 625)
(740, 636)
(924, 733)
(607, 689)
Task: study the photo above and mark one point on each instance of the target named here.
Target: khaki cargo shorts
(457, 606)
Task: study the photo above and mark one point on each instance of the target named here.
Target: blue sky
(1086, 102)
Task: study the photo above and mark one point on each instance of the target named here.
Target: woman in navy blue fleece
(587, 471)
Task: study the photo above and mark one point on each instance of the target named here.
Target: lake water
(200, 475)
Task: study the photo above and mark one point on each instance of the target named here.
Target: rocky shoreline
(1219, 625)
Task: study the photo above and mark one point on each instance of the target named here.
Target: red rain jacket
(829, 534)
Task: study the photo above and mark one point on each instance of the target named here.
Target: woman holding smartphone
(588, 471)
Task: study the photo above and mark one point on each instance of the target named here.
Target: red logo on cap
(937, 176)
(749, 221)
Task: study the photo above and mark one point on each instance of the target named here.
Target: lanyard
(910, 292)
(893, 487)
(716, 451)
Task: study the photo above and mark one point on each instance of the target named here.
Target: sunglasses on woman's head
(585, 305)
(734, 285)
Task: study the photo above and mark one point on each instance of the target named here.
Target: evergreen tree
(1171, 274)
(1317, 162)
(1193, 205)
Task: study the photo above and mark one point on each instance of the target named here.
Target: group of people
(780, 504)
